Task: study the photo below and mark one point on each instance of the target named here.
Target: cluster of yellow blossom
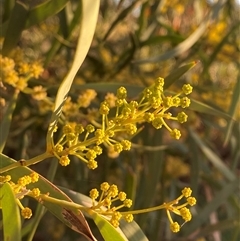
(110, 194)
(103, 206)
(15, 71)
(114, 131)
(180, 210)
(20, 190)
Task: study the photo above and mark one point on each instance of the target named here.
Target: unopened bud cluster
(181, 209)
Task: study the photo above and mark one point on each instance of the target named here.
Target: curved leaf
(88, 23)
(11, 215)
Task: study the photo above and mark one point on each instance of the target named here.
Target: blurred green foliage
(135, 42)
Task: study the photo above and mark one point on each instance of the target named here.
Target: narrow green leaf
(11, 214)
(75, 221)
(212, 157)
(44, 10)
(88, 23)
(176, 74)
(207, 109)
(6, 121)
(233, 110)
(15, 27)
(108, 232)
(161, 39)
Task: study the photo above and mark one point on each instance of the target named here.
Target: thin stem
(62, 203)
(26, 163)
(146, 210)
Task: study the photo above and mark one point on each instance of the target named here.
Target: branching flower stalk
(102, 204)
(115, 131)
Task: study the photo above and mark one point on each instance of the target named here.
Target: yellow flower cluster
(103, 206)
(114, 131)
(180, 210)
(20, 190)
(16, 71)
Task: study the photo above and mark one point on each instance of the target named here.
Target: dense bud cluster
(104, 205)
(114, 130)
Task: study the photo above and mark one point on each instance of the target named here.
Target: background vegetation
(135, 42)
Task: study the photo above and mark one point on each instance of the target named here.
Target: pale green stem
(62, 203)
(169, 216)
(147, 210)
(26, 163)
(103, 122)
(61, 140)
(165, 124)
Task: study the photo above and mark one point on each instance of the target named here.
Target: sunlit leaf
(88, 23)
(11, 214)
